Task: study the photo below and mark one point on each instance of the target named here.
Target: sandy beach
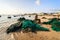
(41, 35)
(29, 19)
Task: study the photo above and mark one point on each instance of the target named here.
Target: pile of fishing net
(25, 24)
(51, 21)
(32, 25)
(56, 26)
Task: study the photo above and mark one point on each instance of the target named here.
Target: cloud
(37, 2)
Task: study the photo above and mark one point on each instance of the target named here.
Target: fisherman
(37, 20)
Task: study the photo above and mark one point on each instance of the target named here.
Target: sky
(28, 6)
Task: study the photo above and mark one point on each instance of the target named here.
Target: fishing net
(33, 25)
(21, 19)
(25, 24)
(56, 26)
(51, 21)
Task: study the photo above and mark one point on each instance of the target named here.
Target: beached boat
(9, 17)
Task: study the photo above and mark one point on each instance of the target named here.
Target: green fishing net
(51, 21)
(56, 26)
(33, 25)
(25, 24)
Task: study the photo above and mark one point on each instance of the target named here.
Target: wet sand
(3, 28)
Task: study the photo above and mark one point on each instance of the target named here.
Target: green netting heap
(21, 19)
(33, 26)
(56, 26)
(51, 21)
(24, 24)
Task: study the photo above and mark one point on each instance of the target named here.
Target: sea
(4, 18)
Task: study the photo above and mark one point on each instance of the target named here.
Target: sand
(40, 35)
